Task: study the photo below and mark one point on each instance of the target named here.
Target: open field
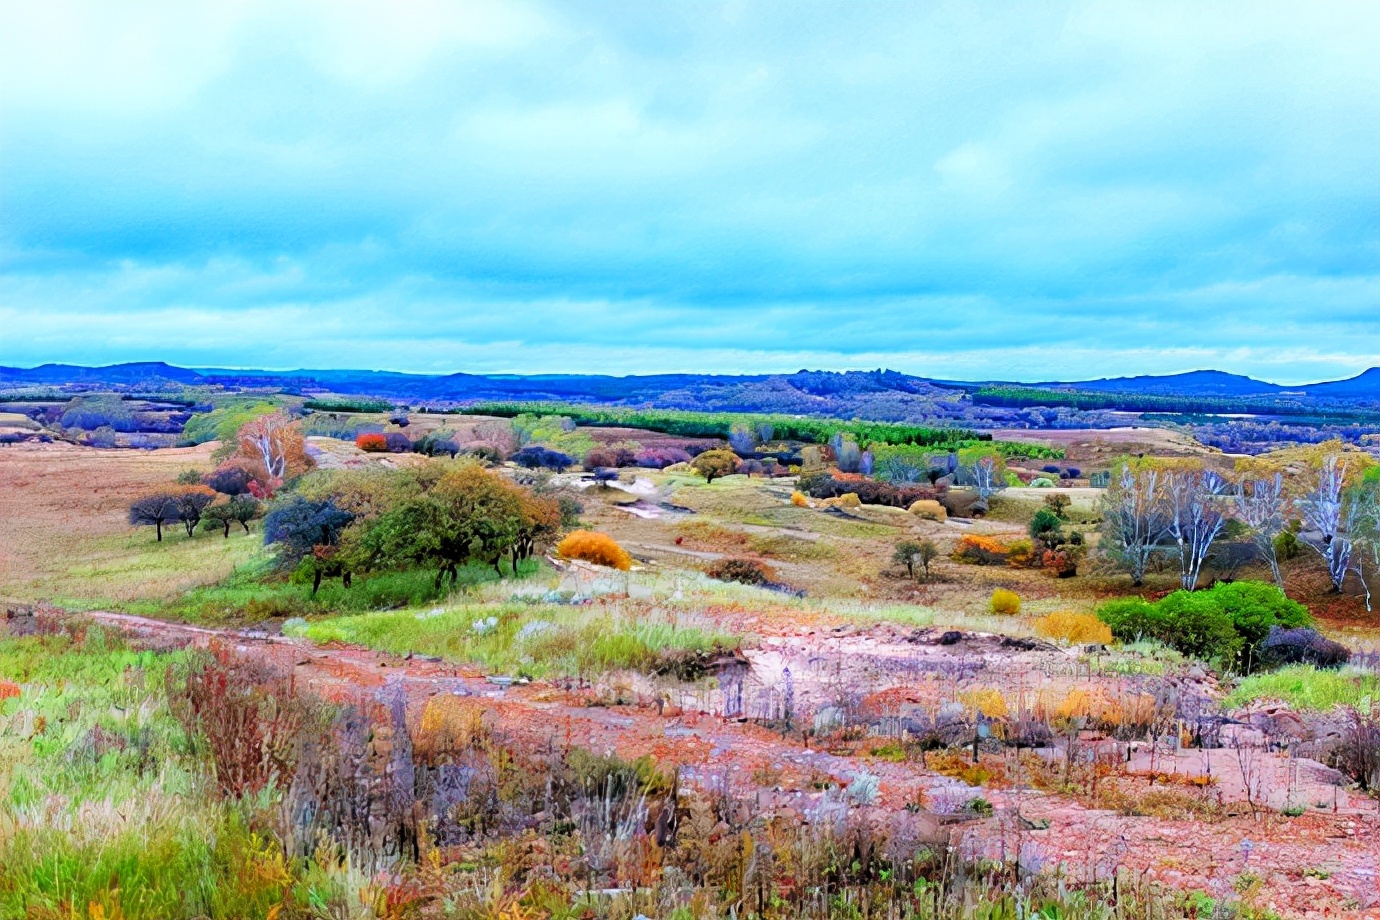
(65, 535)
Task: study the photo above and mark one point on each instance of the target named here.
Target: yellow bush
(846, 500)
(929, 509)
(1074, 628)
(449, 725)
(986, 700)
(799, 500)
(1007, 603)
(591, 546)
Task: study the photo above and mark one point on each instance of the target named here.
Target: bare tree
(1136, 518)
(1196, 518)
(1363, 513)
(1326, 514)
(1260, 504)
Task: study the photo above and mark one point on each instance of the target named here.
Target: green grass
(254, 593)
(102, 802)
(530, 639)
(1307, 687)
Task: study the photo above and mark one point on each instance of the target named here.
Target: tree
(715, 463)
(157, 509)
(1260, 505)
(910, 553)
(1059, 504)
(1195, 519)
(539, 523)
(470, 513)
(298, 526)
(191, 502)
(985, 468)
(1045, 528)
(906, 554)
(240, 509)
(1326, 515)
(537, 457)
(1135, 518)
(275, 441)
(230, 479)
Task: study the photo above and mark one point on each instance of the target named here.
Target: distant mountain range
(723, 391)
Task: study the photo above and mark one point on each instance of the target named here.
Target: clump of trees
(1326, 499)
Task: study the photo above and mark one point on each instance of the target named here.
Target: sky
(1029, 191)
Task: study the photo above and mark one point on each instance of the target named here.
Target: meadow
(764, 703)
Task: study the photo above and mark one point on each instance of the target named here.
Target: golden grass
(64, 533)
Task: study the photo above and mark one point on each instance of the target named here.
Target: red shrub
(372, 442)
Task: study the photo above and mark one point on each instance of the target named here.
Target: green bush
(1225, 623)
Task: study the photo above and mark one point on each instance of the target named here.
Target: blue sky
(1021, 190)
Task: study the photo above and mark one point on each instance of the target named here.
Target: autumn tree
(275, 441)
(715, 463)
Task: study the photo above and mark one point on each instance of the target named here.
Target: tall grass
(1306, 687)
(530, 640)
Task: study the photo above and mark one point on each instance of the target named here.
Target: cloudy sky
(1025, 190)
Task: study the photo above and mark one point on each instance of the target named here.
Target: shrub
(570, 509)
(373, 442)
(869, 491)
(1227, 623)
(397, 443)
(591, 546)
(1041, 482)
(980, 550)
(742, 570)
(1301, 646)
(658, 458)
(1006, 603)
(1074, 628)
(799, 500)
(1358, 753)
(536, 457)
(1057, 503)
(1287, 546)
(1045, 527)
(610, 457)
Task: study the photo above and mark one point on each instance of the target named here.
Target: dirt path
(1322, 864)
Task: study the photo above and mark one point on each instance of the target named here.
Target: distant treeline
(1148, 402)
(691, 424)
(349, 404)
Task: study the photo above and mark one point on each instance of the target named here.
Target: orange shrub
(1007, 603)
(799, 500)
(7, 690)
(373, 443)
(980, 550)
(1075, 628)
(591, 546)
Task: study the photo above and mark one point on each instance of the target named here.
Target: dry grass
(64, 534)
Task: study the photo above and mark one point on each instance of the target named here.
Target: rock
(929, 509)
(952, 637)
